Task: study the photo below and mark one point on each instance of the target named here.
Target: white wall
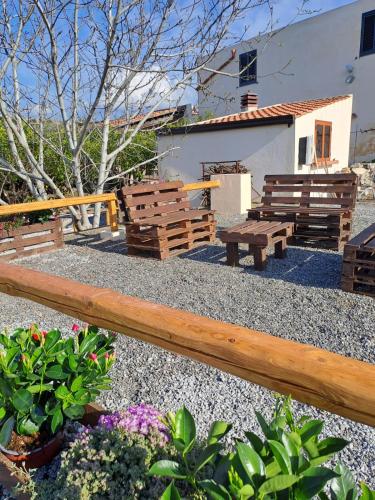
(339, 114)
(264, 150)
(312, 55)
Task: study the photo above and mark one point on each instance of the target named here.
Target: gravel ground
(297, 298)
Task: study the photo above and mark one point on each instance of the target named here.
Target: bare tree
(74, 66)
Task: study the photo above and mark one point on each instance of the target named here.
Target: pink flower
(75, 327)
(107, 355)
(93, 357)
(44, 333)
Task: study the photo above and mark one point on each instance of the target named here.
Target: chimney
(249, 102)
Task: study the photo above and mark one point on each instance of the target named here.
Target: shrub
(286, 463)
(46, 379)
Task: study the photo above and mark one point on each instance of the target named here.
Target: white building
(299, 137)
(329, 54)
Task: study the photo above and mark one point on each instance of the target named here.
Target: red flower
(93, 357)
(44, 333)
(35, 336)
(75, 327)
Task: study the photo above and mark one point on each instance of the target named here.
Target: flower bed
(21, 237)
(46, 384)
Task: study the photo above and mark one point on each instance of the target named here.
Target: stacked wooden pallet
(319, 205)
(161, 222)
(30, 239)
(358, 269)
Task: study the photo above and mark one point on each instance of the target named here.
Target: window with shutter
(248, 67)
(368, 34)
(323, 135)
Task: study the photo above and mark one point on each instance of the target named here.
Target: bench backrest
(144, 201)
(331, 190)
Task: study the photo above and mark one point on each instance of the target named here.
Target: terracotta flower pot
(38, 457)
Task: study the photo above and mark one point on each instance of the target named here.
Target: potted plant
(44, 381)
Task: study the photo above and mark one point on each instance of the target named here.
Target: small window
(302, 151)
(323, 133)
(368, 34)
(248, 68)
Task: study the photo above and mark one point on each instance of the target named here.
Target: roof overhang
(211, 127)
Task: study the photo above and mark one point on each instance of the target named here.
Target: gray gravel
(296, 298)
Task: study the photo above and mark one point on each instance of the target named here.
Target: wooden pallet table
(358, 268)
(258, 235)
(160, 221)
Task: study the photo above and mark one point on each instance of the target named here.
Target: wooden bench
(358, 268)
(159, 220)
(320, 206)
(258, 235)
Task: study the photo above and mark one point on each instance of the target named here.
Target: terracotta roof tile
(286, 109)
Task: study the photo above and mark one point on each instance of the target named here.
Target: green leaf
(171, 493)
(290, 445)
(2, 413)
(256, 442)
(5, 388)
(22, 400)
(265, 427)
(272, 468)
(35, 389)
(281, 456)
(166, 468)
(311, 429)
(344, 484)
(185, 429)
(217, 431)
(62, 392)
(367, 494)
(331, 445)
(76, 384)
(38, 415)
(74, 412)
(57, 420)
(247, 491)
(6, 431)
(215, 491)
(88, 344)
(82, 397)
(208, 454)
(27, 427)
(72, 361)
(56, 372)
(277, 483)
(314, 479)
(11, 354)
(250, 460)
(52, 337)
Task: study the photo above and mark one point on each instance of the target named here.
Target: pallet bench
(319, 205)
(258, 235)
(358, 268)
(160, 221)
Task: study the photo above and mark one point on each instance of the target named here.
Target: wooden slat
(324, 379)
(150, 187)
(283, 188)
(301, 210)
(139, 214)
(315, 178)
(296, 200)
(150, 199)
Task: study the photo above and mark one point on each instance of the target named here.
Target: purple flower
(142, 419)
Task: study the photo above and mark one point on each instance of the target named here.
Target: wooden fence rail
(320, 378)
(108, 198)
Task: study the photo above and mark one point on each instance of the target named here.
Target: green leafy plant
(45, 379)
(286, 463)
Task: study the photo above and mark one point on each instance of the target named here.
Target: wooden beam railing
(108, 198)
(201, 185)
(320, 378)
